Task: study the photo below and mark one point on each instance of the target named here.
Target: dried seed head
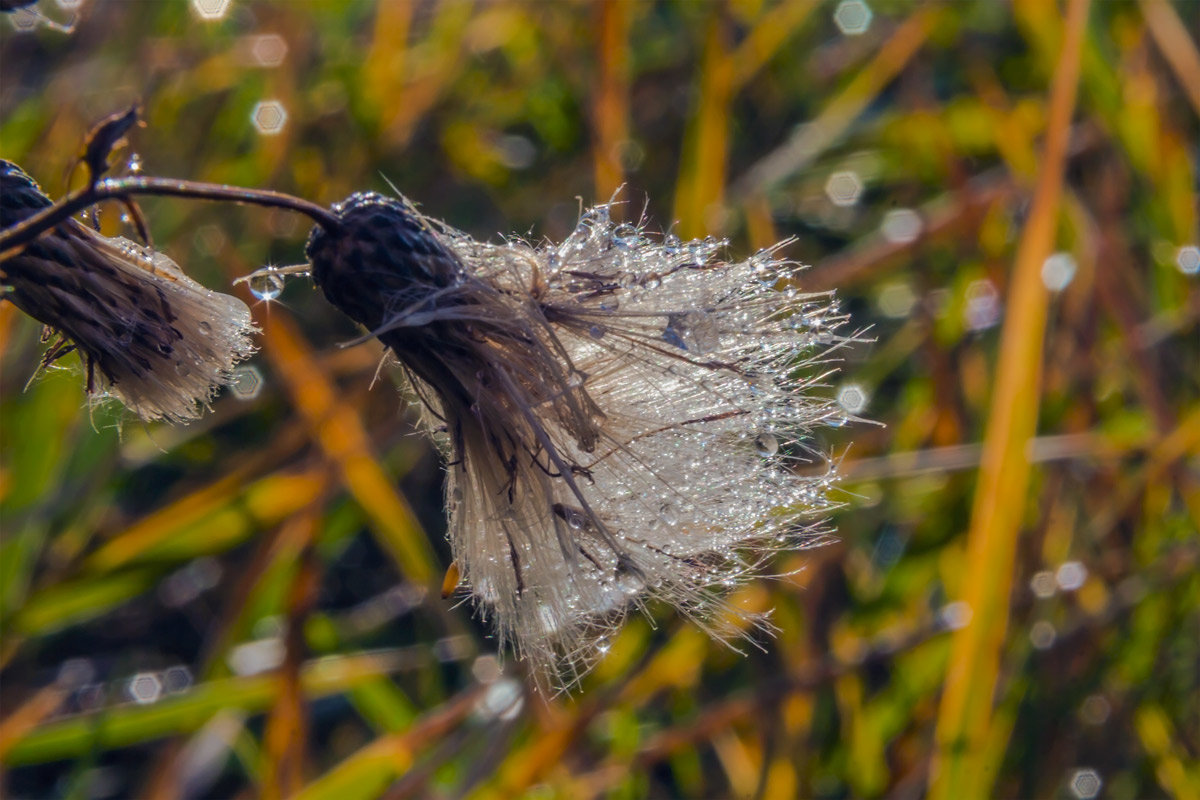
(148, 335)
(625, 416)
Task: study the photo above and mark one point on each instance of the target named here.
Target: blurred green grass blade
(124, 725)
(67, 603)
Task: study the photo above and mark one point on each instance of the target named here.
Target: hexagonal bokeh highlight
(1085, 783)
(268, 49)
(844, 188)
(145, 688)
(1188, 259)
(853, 17)
(852, 398)
(211, 9)
(269, 117)
(246, 383)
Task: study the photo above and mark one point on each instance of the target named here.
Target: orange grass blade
(336, 427)
(611, 110)
(1171, 36)
(705, 150)
(965, 715)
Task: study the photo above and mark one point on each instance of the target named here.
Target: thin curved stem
(16, 236)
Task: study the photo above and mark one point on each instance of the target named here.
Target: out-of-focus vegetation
(249, 606)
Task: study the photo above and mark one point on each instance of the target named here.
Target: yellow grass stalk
(965, 716)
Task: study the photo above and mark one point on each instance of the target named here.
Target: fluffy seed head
(148, 335)
(625, 416)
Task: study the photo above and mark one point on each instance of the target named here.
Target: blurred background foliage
(250, 606)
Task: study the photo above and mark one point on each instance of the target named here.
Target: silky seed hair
(148, 335)
(625, 417)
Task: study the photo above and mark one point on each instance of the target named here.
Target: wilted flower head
(626, 417)
(148, 335)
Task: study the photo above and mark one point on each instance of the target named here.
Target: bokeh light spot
(901, 226)
(853, 17)
(246, 383)
(844, 188)
(1095, 709)
(1188, 259)
(177, 679)
(261, 655)
(502, 700)
(1042, 634)
(145, 688)
(486, 669)
(1058, 270)
(1043, 584)
(269, 116)
(268, 49)
(896, 300)
(1086, 783)
(1071, 575)
(211, 9)
(983, 305)
(955, 615)
(852, 398)
(24, 20)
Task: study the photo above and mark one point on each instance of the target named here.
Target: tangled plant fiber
(625, 417)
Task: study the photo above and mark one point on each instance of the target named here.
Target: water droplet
(204, 328)
(652, 281)
(626, 237)
(134, 166)
(596, 331)
(767, 444)
(668, 515)
(266, 285)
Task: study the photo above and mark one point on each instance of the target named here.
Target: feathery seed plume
(625, 417)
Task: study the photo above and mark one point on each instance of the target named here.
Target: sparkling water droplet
(135, 164)
(767, 444)
(626, 237)
(668, 515)
(266, 285)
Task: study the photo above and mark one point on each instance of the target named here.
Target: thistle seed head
(148, 335)
(625, 416)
